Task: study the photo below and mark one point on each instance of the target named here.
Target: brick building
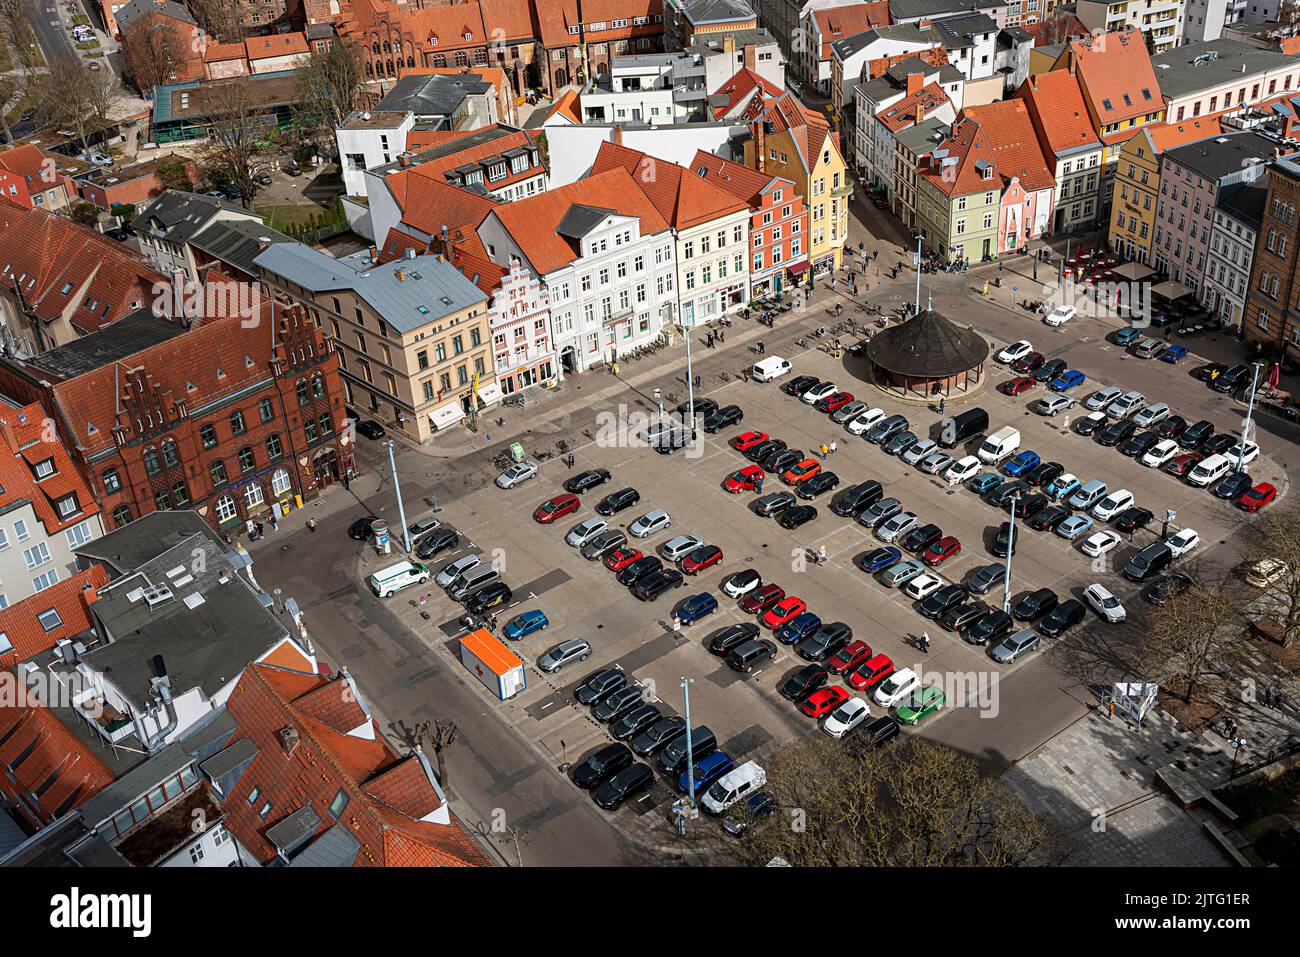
(1273, 295)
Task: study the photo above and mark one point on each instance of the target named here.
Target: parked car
(1104, 602)
(601, 766)
(649, 523)
(1016, 645)
(741, 583)
(773, 502)
(1062, 618)
(871, 672)
(615, 502)
(575, 649)
(722, 418)
(803, 682)
(525, 623)
(555, 508)
(1035, 604)
(897, 687)
(762, 598)
(600, 686)
(624, 785)
(1257, 497)
(517, 474)
(922, 702)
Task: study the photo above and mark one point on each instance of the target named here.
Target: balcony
(683, 94)
(844, 189)
(112, 724)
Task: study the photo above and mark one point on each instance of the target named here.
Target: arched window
(273, 448)
(161, 501)
(121, 516)
(253, 494)
(225, 508)
(246, 461)
(112, 481)
(151, 461)
(303, 392)
(170, 455)
(318, 385)
(280, 483)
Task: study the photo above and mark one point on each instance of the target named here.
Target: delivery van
(773, 367)
(1210, 470)
(999, 445)
(387, 581)
(957, 429)
(736, 785)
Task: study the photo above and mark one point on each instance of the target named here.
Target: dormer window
(988, 172)
(45, 469)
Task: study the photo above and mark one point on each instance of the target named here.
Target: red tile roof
(437, 168)
(567, 106)
(71, 598)
(934, 56)
(510, 19)
(1289, 45)
(42, 753)
(429, 204)
(682, 198)
(969, 145)
(217, 52)
(277, 44)
(556, 16)
(398, 242)
(469, 256)
(388, 793)
(1015, 146)
(26, 441)
(739, 88)
(808, 129)
(1058, 112)
(899, 116)
(736, 178)
(848, 21)
(532, 222)
(419, 140)
(1116, 74)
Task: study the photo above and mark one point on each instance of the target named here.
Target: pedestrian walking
(311, 525)
(832, 448)
(761, 348)
(722, 336)
(275, 525)
(758, 485)
(826, 450)
(925, 642)
(941, 402)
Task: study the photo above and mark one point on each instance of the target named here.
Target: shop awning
(798, 268)
(446, 415)
(489, 395)
(1133, 272)
(1171, 290)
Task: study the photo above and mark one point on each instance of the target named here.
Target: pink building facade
(523, 344)
(1026, 215)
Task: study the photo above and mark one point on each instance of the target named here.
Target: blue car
(696, 607)
(1022, 463)
(707, 770)
(798, 628)
(878, 559)
(1233, 485)
(1074, 526)
(1068, 380)
(1127, 336)
(1062, 486)
(524, 624)
(1174, 353)
(984, 482)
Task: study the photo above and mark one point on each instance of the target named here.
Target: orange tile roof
(1116, 74)
(216, 52)
(469, 256)
(740, 86)
(435, 168)
(510, 19)
(899, 116)
(43, 753)
(277, 44)
(438, 28)
(848, 21)
(807, 128)
(736, 178)
(71, 598)
(934, 56)
(397, 243)
(567, 107)
(419, 140)
(1289, 45)
(532, 222)
(969, 145)
(429, 204)
(556, 16)
(25, 442)
(1165, 136)
(388, 793)
(1060, 116)
(1015, 146)
(681, 197)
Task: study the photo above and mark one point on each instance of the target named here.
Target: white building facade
(713, 267)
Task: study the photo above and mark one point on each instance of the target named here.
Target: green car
(1127, 336)
(922, 702)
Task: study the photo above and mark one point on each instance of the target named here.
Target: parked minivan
(1209, 471)
(747, 655)
(672, 759)
(1151, 560)
(394, 578)
(1089, 494)
(773, 367)
(853, 500)
(472, 580)
(999, 445)
(737, 784)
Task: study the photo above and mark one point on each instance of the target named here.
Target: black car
(1233, 379)
(727, 415)
(919, 539)
(940, 601)
(291, 169)
(1049, 518)
(360, 529)
(732, 637)
(1062, 618)
(1206, 372)
(586, 480)
(627, 783)
(773, 502)
(117, 233)
(855, 498)
(797, 516)
(1028, 505)
(600, 686)
(439, 540)
(1087, 425)
(650, 741)
(899, 442)
(615, 502)
(1196, 433)
(963, 616)
(1035, 604)
(998, 495)
(601, 766)
(821, 482)
(617, 704)
(1217, 444)
(1004, 541)
(703, 408)
(1050, 369)
(800, 384)
(875, 732)
(760, 451)
(782, 461)
(639, 569)
(672, 759)
(825, 641)
(494, 595)
(1233, 485)
(1138, 444)
(804, 682)
(1171, 586)
(1133, 518)
(1116, 432)
(371, 429)
(1043, 473)
(634, 722)
(984, 579)
(989, 628)
(651, 586)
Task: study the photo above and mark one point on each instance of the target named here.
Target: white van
(773, 367)
(1210, 470)
(394, 578)
(999, 445)
(736, 785)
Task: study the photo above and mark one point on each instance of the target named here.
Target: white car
(517, 474)
(1102, 398)
(1059, 316)
(1183, 541)
(1151, 415)
(1099, 543)
(1159, 454)
(896, 687)
(1268, 571)
(452, 570)
(1052, 404)
(1015, 352)
(1104, 603)
(864, 420)
(680, 545)
(741, 583)
(1126, 404)
(584, 532)
(846, 717)
(922, 585)
(1113, 504)
(1248, 451)
(819, 392)
(649, 523)
(963, 469)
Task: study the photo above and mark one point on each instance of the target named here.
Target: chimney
(404, 159)
(616, 135)
(920, 114)
(410, 253)
(288, 736)
(11, 440)
(374, 254)
(760, 147)
(728, 44)
(750, 53)
(401, 276)
(915, 83)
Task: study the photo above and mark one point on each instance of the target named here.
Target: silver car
(901, 574)
(896, 527)
(1126, 404)
(517, 474)
(935, 462)
(584, 532)
(1104, 603)
(846, 412)
(649, 523)
(1013, 646)
(603, 544)
(453, 570)
(883, 508)
(575, 649)
(675, 548)
(1102, 398)
(919, 451)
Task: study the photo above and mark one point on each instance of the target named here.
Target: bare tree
(237, 134)
(1275, 536)
(12, 90)
(327, 88)
(153, 54)
(78, 98)
(1186, 638)
(221, 18)
(17, 27)
(438, 736)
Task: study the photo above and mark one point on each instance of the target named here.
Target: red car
(824, 701)
(761, 599)
(1182, 464)
(557, 507)
(743, 480)
(1029, 362)
(835, 401)
(871, 672)
(1252, 500)
(706, 556)
(941, 551)
(620, 558)
(787, 609)
(848, 657)
(1018, 385)
(747, 440)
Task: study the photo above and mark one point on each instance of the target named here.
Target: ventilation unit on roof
(177, 572)
(155, 595)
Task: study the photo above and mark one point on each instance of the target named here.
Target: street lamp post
(917, 263)
(690, 751)
(1011, 547)
(1250, 411)
(690, 377)
(397, 490)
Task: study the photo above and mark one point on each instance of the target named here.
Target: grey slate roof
(133, 333)
(289, 833)
(237, 242)
(910, 9)
(928, 346)
(1220, 156)
(848, 46)
(715, 11)
(407, 293)
(578, 220)
(436, 95)
(139, 8)
(960, 31)
(337, 847)
(1245, 202)
(1178, 73)
(125, 549)
(178, 216)
(478, 138)
(921, 137)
